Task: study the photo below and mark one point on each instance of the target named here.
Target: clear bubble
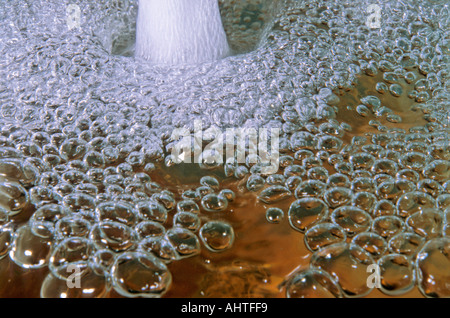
(338, 196)
(91, 285)
(352, 219)
(388, 226)
(384, 208)
(438, 170)
(406, 243)
(430, 186)
(228, 194)
(70, 226)
(210, 182)
(140, 274)
(13, 197)
(187, 220)
(115, 236)
(412, 202)
(398, 274)
(310, 188)
(70, 252)
(29, 250)
(274, 194)
(432, 279)
(347, 264)
(160, 247)
(149, 228)
(255, 182)
(428, 223)
(117, 212)
(274, 215)
(152, 211)
(304, 213)
(184, 241)
(324, 234)
(371, 243)
(214, 203)
(312, 283)
(217, 236)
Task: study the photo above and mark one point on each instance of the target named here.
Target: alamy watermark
(74, 279)
(233, 145)
(373, 21)
(73, 16)
(374, 279)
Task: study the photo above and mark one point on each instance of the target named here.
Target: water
(88, 187)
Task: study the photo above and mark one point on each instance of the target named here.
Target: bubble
(430, 186)
(387, 226)
(274, 194)
(69, 252)
(255, 182)
(338, 180)
(30, 250)
(204, 190)
(394, 189)
(140, 274)
(371, 243)
(293, 182)
(165, 199)
(415, 201)
(217, 236)
(312, 283)
(188, 206)
(364, 200)
(6, 238)
(318, 173)
(397, 274)
(438, 170)
(432, 279)
(274, 215)
(115, 236)
(214, 203)
(406, 243)
(294, 170)
(117, 212)
(79, 202)
(276, 179)
(408, 174)
(13, 169)
(210, 182)
(72, 149)
(310, 188)
(324, 234)
(228, 194)
(306, 212)
(187, 220)
(101, 261)
(347, 264)
(13, 197)
(338, 196)
(91, 285)
(427, 223)
(191, 195)
(184, 241)
(385, 166)
(330, 144)
(70, 226)
(149, 228)
(384, 208)
(352, 219)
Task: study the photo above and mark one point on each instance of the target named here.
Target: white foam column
(180, 31)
